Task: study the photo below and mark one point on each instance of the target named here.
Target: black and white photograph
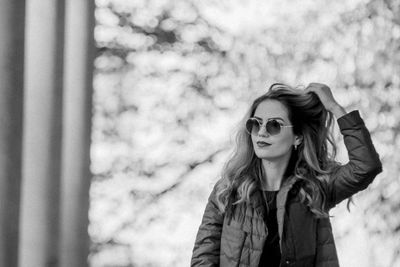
(208, 133)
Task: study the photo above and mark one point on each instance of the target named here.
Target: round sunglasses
(272, 126)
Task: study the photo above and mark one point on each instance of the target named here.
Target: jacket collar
(281, 198)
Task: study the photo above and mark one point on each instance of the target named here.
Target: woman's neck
(273, 173)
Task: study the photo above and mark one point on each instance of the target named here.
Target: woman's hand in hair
(324, 93)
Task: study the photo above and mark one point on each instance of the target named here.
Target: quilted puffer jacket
(305, 241)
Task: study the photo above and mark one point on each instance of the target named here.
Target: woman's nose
(263, 132)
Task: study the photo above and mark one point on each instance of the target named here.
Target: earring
(295, 147)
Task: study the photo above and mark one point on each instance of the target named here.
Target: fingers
(314, 87)
(316, 84)
(309, 88)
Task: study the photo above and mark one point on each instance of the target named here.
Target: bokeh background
(173, 78)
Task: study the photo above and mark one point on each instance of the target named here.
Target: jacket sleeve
(364, 163)
(206, 249)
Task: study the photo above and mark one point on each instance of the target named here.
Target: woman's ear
(298, 139)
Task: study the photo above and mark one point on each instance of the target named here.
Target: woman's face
(282, 143)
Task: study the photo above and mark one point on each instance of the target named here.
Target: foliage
(173, 77)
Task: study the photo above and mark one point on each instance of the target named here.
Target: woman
(271, 206)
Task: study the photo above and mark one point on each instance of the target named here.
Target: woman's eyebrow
(279, 118)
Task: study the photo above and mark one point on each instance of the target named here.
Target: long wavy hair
(312, 163)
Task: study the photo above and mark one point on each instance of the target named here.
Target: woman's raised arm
(364, 163)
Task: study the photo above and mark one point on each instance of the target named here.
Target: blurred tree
(173, 77)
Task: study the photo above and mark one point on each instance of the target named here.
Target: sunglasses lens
(252, 126)
(273, 127)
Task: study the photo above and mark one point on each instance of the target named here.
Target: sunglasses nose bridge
(263, 128)
(271, 130)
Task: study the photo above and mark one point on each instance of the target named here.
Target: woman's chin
(265, 155)
(268, 155)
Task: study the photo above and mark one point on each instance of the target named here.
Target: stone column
(45, 114)
(43, 127)
(76, 175)
(12, 21)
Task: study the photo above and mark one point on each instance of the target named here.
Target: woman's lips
(263, 144)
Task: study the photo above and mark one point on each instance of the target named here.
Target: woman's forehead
(271, 109)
